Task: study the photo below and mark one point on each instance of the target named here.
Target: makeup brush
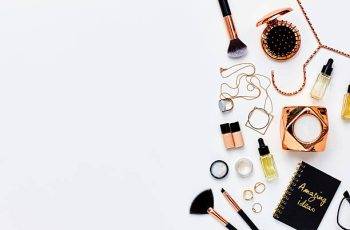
(204, 204)
(236, 48)
(239, 210)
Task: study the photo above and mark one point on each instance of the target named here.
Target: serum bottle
(267, 162)
(345, 113)
(322, 81)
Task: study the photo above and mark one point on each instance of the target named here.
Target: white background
(109, 116)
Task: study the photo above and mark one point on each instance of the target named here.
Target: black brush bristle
(281, 40)
(202, 202)
(237, 48)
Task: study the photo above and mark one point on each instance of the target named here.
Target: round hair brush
(236, 48)
(204, 204)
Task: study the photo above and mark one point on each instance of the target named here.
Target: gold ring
(259, 187)
(248, 194)
(257, 207)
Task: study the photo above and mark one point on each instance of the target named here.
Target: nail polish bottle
(267, 162)
(322, 81)
(227, 136)
(345, 113)
(237, 135)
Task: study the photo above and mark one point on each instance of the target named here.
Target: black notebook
(307, 198)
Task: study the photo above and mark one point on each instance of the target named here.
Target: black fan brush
(236, 48)
(204, 204)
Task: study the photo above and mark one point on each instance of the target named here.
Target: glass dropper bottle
(267, 161)
(323, 80)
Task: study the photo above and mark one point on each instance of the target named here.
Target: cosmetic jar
(219, 169)
(244, 167)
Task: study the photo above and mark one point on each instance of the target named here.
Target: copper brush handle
(230, 27)
(231, 201)
(226, 13)
(240, 212)
(221, 219)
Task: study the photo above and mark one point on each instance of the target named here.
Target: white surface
(109, 116)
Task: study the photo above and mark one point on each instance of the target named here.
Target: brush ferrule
(217, 216)
(230, 27)
(232, 201)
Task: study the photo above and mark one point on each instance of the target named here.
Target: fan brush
(236, 48)
(204, 204)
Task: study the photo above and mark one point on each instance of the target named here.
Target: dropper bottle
(322, 81)
(345, 113)
(267, 162)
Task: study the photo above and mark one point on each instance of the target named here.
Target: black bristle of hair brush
(236, 48)
(204, 204)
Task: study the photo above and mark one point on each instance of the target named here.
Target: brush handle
(347, 196)
(247, 220)
(225, 8)
(221, 219)
(226, 13)
(230, 227)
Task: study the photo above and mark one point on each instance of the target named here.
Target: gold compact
(315, 123)
(280, 39)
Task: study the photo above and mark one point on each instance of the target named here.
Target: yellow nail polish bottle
(267, 162)
(345, 113)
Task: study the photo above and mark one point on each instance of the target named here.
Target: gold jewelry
(320, 45)
(260, 129)
(259, 187)
(235, 85)
(257, 207)
(254, 86)
(248, 194)
(225, 104)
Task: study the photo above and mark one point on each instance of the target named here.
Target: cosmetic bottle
(267, 162)
(237, 135)
(322, 81)
(227, 136)
(345, 113)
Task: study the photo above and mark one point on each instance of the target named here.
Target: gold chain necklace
(320, 45)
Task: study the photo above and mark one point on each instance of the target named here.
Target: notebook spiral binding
(288, 192)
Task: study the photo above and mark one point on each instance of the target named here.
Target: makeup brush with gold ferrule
(240, 212)
(204, 204)
(236, 48)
